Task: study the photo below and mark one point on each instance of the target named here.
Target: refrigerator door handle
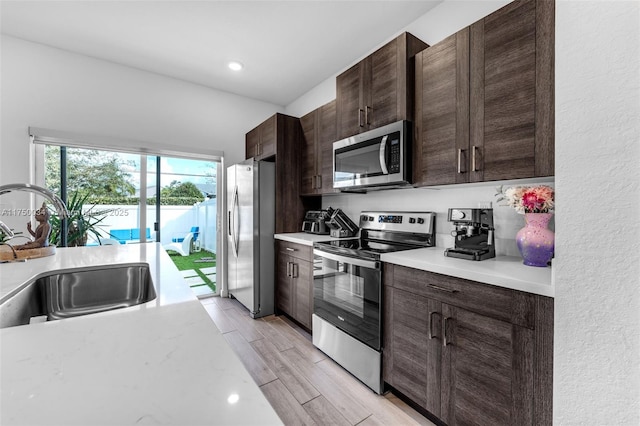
(236, 222)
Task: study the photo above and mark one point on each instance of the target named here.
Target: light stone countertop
(303, 238)
(163, 362)
(502, 271)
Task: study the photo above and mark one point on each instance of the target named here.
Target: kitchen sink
(78, 292)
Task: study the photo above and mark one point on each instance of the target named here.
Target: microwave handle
(383, 155)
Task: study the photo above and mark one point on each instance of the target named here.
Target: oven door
(347, 293)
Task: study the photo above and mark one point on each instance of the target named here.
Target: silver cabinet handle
(473, 158)
(360, 122)
(288, 269)
(446, 341)
(294, 270)
(460, 161)
(366, 114)
(433, 335)
(289, 249)
(437, 287)
(319, 181)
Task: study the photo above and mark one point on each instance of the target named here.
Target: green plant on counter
(81, 222)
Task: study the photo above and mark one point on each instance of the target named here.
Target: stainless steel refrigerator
(251, 224)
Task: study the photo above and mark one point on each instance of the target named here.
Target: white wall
(55, 89)
(506, 220)
(597, 321)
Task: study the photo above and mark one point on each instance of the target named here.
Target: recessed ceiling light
(236, 66)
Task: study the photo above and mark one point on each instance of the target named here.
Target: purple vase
(536, 241)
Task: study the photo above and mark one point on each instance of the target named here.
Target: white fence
(176, 221)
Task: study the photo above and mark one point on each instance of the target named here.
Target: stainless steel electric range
(347, 288)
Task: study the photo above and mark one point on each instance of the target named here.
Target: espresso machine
(473, 234)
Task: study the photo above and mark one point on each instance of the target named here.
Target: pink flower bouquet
(537, 199)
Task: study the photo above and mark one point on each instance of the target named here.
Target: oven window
(348, 296)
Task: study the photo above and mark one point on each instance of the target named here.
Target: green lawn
(196, 261)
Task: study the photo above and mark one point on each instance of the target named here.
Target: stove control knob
(412, 220)
(420, 220)
(364, 218)
(371, 218)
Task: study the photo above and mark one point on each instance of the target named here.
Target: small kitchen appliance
(315, 222)
(377, 159)
(347, 288)
(341, 225)
(474, 239)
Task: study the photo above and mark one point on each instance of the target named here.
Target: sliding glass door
(188, 206)
(125, 198)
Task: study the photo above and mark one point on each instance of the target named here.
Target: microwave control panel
(394, 164)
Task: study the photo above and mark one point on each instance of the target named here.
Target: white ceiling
(287, 47)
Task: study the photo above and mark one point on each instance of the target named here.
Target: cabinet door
(384, 92)
(326, 137)
(268, 137)
(417, 348)
(283, 283)
(252, 142)
(349, 106)
(487, 376)
(302, 286)
(503, 92)
(442, 123)
(308, 169)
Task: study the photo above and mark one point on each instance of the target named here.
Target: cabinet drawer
(299, 251)
(509, 305)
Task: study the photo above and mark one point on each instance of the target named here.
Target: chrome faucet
(61, 208)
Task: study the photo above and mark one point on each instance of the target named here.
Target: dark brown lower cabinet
(488, 370)
(294, 281)
(417, 349)
(467, 352)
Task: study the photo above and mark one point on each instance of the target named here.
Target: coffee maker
(473, 234)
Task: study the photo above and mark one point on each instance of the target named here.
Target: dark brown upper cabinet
(441, 135)
(485, 99)
(319, 130)
(261, 142)
(279, 139)
(379, 89)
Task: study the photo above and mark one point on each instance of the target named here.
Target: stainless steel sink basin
(78, 292)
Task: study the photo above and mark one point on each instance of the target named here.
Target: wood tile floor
(303, 385)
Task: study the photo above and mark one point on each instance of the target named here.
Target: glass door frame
(39, 137)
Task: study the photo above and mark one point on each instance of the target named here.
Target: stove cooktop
(357, 247)
(385, 232)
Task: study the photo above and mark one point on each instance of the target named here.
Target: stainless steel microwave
(377, 158)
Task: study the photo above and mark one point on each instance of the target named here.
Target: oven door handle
(371, 264)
